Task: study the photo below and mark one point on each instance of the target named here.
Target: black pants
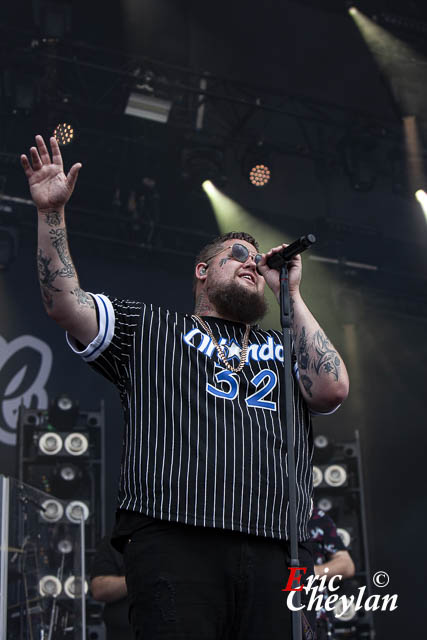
(196, 583)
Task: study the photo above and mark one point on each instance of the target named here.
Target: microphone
(278, 259)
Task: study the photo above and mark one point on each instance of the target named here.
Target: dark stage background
(340, 162)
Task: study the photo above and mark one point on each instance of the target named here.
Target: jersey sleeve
(331, 540)
(110, 351)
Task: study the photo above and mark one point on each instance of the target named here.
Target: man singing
(203, 506)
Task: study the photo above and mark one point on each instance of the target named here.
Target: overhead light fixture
(257, 165)
(64, 134)
(148, 107)
(203, 166)
(52, 510)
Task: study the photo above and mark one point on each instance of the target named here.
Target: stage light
(335, 475)
(76, 511)
(259, 175)
(72, 587)
(76, 444)
(338, 610)
(421, 196)
(201, 165)
(148, 107)
(345, 536)
(63, 412)
(50, 443)
(324, 504)
(50, 586)
(65, 546)
(64, 134)
(352, 10)
(317, 476)
(208, 187)
(52, 510)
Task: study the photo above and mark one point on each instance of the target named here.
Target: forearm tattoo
(46, 278)
(83, 298)
(59, 241)
(317, 355)
(53, 218)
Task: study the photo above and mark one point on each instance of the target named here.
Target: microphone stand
(285, 319)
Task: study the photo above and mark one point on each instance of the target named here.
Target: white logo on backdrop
(25, 366)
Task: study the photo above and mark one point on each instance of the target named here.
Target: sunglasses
(239, 252)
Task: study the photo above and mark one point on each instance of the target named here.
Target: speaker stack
(61, 452)
(339, 492)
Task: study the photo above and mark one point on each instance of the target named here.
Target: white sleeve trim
(105, 334)
(316, 413)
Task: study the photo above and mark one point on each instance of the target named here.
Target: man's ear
(201, 271)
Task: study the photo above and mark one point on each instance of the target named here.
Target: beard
(236, 303)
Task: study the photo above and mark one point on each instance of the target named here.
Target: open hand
(49, 186)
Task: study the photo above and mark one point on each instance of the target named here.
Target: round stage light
(259, 175)
(324, 504)
(75, 510)
(338, 611)
(50, 443)
(64, 133)
(64, 403)
(317, 476)
(68, 473)
(345, 536)
(53, 510)
(76, 444)
(50, 586)
(65, 546)
(72, 587)
(335, 475)
(321, 442)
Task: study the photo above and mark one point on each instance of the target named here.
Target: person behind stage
(108, 585)
(329, 553)
(203, 510)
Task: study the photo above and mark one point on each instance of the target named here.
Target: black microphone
(278, 259)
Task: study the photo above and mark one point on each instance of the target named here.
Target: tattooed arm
(62, 296)
(323, 376)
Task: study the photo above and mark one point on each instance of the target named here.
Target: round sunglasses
(239, 252)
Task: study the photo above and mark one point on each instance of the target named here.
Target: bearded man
(203, 505)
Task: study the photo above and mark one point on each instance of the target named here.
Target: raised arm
(323, 376)
(64, 300)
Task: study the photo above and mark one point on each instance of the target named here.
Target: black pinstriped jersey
(202, 445)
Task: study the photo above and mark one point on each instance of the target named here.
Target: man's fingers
(26, 166)
(35, 159)
(44, 154)
(56, 153)
(73, 173)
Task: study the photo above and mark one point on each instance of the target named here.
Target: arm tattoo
(53, 218)
(307, 384)
(327, 358)
(59, 241)
(46, 278)
(83, 298)
(318, 356)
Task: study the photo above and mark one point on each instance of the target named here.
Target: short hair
(215, 245)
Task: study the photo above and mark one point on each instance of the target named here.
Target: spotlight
(53, 510)
(338, 610)
(421, 196)
(335, 475)
(50, 443)
(63, 412)
(148, 107)
(50, 586)
(65, 546)
(317, 476)
(76, 444)
(352, 10)
(73, 587)
(259, 175)
(324, 504)
(76, 511)
(203, 164)
(64, 134)
(345, 536)
(68, 473)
